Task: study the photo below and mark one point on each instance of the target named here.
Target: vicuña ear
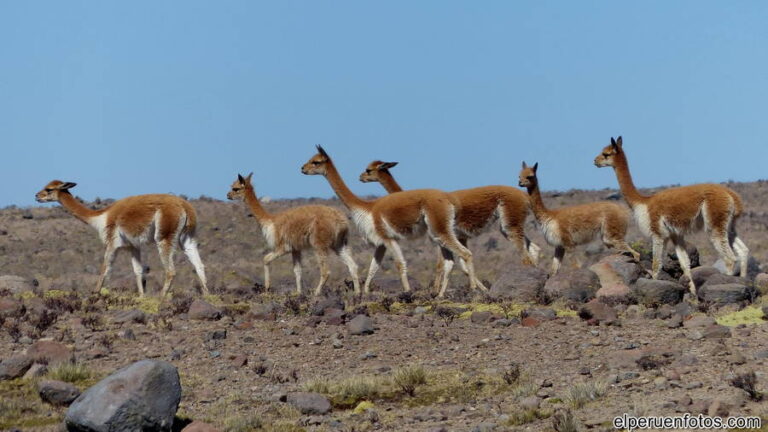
(67, 185)
(322, 151)
(387, 165)
(535, 167)
(619, 142)
(240, 179)
(524, 165)
(248, 179)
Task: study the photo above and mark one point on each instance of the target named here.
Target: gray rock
(761, 283)
(318, 309)
(309, 403)
(202, 310)
(481, 317)
(17, 284)
(578, 285)
(725, 293)
(753, 267)
(617, 268)
(35, 371)
(700, 321)
(671, 265)
(129, 316)
(541, 314)
(520, 283)
(598, 311)
(10, 308)
(701, 274)
(57, 392)
(14, 367)
(265, 312)
(651, 292)
(142, 396)
(360, 325)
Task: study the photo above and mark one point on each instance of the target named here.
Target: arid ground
(470, 362)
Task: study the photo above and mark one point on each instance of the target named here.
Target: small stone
(217, 335)
(699, 321)
(599, 311)
(35, 371)
(198, 426)
(481, 317)
(202, 310)
(693, 385)
(529, 322)
(660, 383)
(131, 316)
(126, 334)
(360, 325)
(628, 375)
(14, 367)
(239, 361)
(675, 321)
(57, 392)
(309, 403)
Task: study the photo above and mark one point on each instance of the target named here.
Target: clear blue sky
(178, 96)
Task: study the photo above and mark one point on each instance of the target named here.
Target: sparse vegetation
(409, 378)
(246, 423)
(563, 421)
(748, 382)
(583, 393)
(70, 372)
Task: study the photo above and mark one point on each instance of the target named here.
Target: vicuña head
(607, 157)
(50, 193)
(374, 169)
(528, 175)
(317, 165)
(238, 189)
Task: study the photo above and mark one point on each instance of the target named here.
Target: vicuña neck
(540, 211)
(389, 182)
(627, 186)
(253, 203)
(352, 201)
(75, 207)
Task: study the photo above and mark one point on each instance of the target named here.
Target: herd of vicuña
(448, 218)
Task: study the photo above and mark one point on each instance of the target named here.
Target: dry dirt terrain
(507, 360)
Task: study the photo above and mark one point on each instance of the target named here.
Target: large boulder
(597, 312)
(671, 265)
(616, 273)
(579, 285)
(143, 396)
(722, 294)
(520, 283)
(17, 284)
(702, 274)
(652, 292)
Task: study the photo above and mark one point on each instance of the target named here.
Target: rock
(484, 427)
(481, 317)
(17, 284)
(36, 371)
(699, 321)
(530, 322)
(216, 335)
(333, 316)
(10, 308)
(142, 396)
(599, 311)
(579, 285)
(541, 314)
(50, 352)
(671, 265)
(701, 274)
(761, 283)
(718, 408)
(683, 309)
(520, 283)
(716, 331)
(198, 426)
(753, 267)
(651, 292)
(503, 322)
(239, 361)
(360, 325)
(617, 268)
(675, 321)
(319, 307)
(530, 402)
(126, 334)
(57, 392)
(615, 294)
(14, 367)
(309, 403)
(202, 310)
(131, 316)
(265, 312)
(725, 293)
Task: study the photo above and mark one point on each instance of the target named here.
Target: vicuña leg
(402, 267)
(322, 262)
(723, 247)
(659, 245)
(438, 279)
(138, 269)
(557, 260)
(378, 256)
(346, 256)
(296, 256)
(447, 266)
(165, 248)
(528, 249)
(193, 255)
(685, 262)
(742, 252)
(106, 266)
(268, 258)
